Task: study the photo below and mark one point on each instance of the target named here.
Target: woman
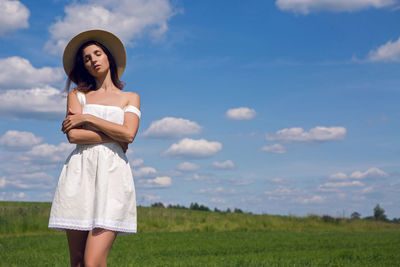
(95, 196)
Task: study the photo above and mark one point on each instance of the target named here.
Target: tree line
(379, 215)
(378, 212)
(194, 206)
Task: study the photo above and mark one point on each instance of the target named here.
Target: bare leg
(76, 244)
(98, 246)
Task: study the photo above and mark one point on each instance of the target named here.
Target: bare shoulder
(133, 99)
(73, 93)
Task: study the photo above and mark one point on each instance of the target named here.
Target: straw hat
(109, 40)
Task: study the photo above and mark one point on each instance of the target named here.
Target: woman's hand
(73, 120)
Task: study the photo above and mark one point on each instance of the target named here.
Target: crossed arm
(107, 131)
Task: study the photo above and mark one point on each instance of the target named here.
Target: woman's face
(95, 60)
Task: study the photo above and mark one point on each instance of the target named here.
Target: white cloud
(389, 52)
(241, 182)
(161, 181)
(3, 182)
(241, 113)
(309, 6)
(225, 165)
(275, 148)
(187, 167)
(370, 173)
(19, 140)
(13, 16)
(38, 103)
(190, 148)
(338, 176)
(144, 172)
(217, 200)
(137, 162)
(170, 127)
(313, 199)
(368, 189)
(129, 20)
(216, 191)
(50, 153)
(340, 184)
(278, 180)
(282, 191)
(34, 180)
(17, 72)
(317, 134)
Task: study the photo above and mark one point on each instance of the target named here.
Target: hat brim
(109, 40)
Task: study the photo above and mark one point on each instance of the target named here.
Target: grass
(257, 248)
(173, 237)
(32, 217)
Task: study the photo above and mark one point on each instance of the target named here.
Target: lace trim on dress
(87, 225)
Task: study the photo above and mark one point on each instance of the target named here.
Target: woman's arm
(82, 136)
(117, 132)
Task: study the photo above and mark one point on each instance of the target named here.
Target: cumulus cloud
(44, 103)
(313, 199)
(13, 16)
(275, 149)
(187, 167)
(17, 72)
(137, 162)
(283, 190)
(19, 140)
(145, 172)
(216, 191)
(129, 20)
(241, 113)
(50, 153)
(170, 127)
(370, 173)
(157, 182)
(224, 165)
(338, 176)
(34, 180)
(278, 180)
(317, 134)
(389, 52)
(238, 182)
(340, 184)
(309, 6)
(190, 148)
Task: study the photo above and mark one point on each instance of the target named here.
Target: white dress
(96, 188)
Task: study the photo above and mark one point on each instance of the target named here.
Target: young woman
(95, 196)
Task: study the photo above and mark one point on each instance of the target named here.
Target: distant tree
(396, 220)
(379, 213)
(216, 210)
(228, 210)
(158, 205)
(355, 215)
(238, 211)
(195, 206)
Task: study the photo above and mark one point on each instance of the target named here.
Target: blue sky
(280, 107)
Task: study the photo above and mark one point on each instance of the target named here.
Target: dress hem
(63, 226)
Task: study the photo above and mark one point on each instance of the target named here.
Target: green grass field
(169, 237)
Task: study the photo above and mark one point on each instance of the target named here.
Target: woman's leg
(98, 246)
(77, 244)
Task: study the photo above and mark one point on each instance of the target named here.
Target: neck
(105, 82)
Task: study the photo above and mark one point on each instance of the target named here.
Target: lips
(97, 66)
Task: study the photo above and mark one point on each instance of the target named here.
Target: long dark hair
(83, 79)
